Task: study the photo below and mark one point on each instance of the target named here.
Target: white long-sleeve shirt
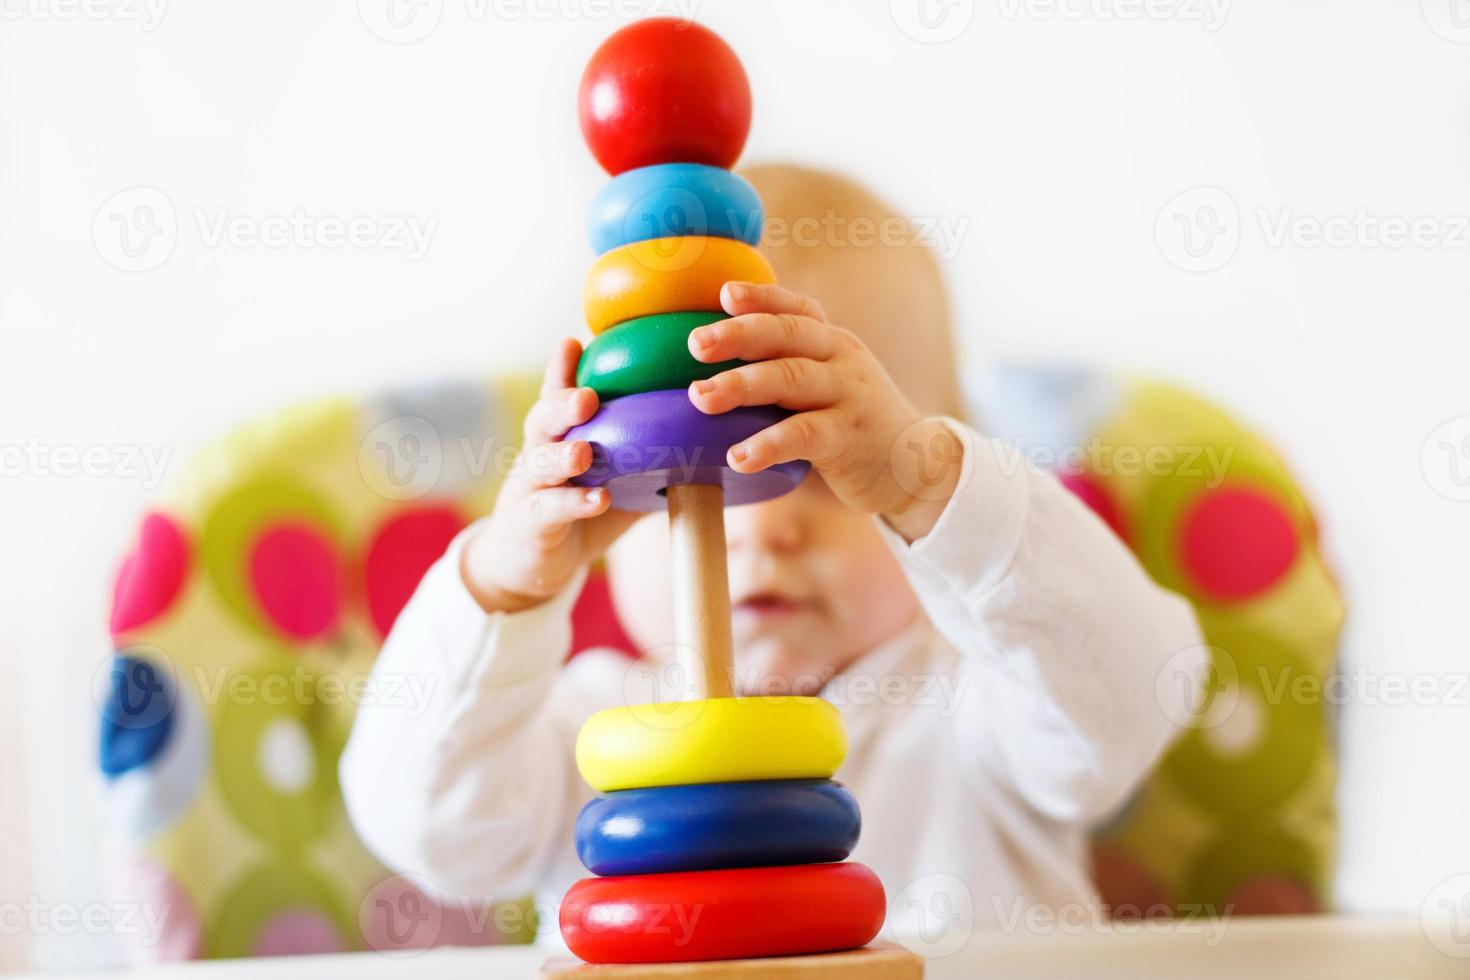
(983, 740)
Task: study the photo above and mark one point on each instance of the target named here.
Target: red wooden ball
(664, 90)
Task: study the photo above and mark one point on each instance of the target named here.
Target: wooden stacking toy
(719, 834)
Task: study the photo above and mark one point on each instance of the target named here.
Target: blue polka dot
(137, 714)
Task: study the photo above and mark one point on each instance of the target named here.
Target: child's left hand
(874, 449)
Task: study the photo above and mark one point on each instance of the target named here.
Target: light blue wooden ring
(671, 200)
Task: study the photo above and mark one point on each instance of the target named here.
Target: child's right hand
(541, 530)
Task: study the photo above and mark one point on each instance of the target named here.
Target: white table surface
(1339, 948)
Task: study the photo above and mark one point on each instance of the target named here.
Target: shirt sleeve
(1063, 638)
(470, 784)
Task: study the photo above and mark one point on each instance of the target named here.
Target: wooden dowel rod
(702, 587)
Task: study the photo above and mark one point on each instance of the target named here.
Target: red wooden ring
(722, 915)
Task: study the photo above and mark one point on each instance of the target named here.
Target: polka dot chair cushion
(247, 616)
(245, 622)
(1239, 813)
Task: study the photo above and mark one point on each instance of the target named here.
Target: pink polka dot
(1100, 501)
(1235, 542)
(399, 555)
(297, 580)
(1273, 895)
(1126, 887)
(298, 932)
(150, 578)
(170, 931)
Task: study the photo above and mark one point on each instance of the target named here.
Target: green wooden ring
(650, 353)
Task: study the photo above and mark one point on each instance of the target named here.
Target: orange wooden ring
(667, 275)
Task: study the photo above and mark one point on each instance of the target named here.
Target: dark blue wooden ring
(704, 826)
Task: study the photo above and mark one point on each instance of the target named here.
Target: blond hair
(828, 235)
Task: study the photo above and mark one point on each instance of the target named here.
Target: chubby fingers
(797, 383)
(555, 413)
(800, 436)
(561, 367)
(551, 510)
(553, 463)
(548, 504)
(761, 336)
(738, 298)
(560, 405)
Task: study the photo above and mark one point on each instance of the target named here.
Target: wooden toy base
(879, 961)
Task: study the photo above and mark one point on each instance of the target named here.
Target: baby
(991, 646)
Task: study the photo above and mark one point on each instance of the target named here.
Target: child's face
(812, 587)
(812, 584)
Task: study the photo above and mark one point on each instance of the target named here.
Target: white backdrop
(1058, 134)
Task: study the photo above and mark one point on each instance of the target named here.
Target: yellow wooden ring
(667, 275)
(718, 740)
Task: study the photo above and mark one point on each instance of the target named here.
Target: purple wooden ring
(643, 443)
